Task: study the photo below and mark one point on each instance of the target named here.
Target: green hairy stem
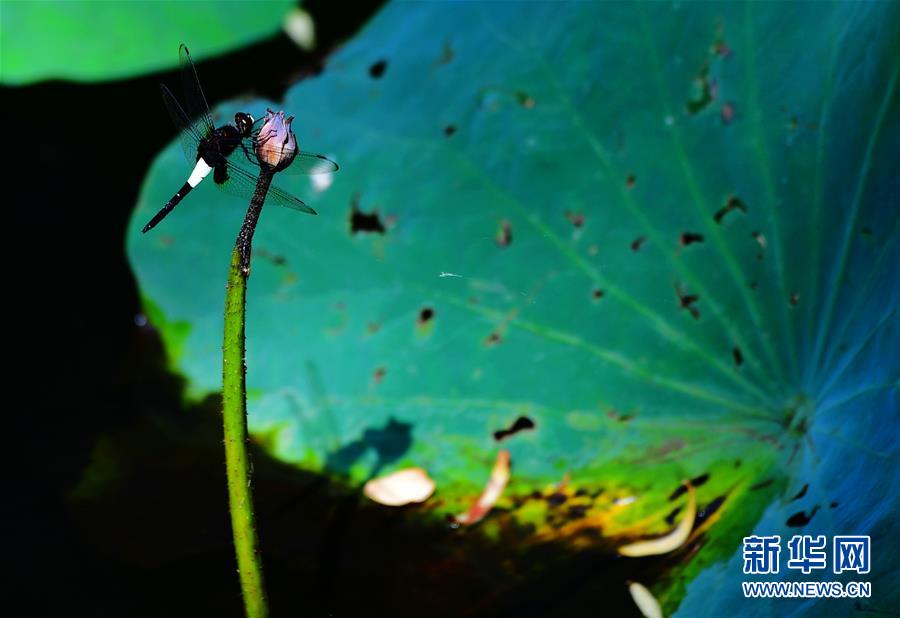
(234, 412)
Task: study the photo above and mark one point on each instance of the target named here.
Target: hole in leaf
(707, 511)
(679, 491)
(522, 423)
(575, 218)
(556, 499)
(800, 519)
(577, 511)
(364, 221)
(738, 357)
(703, 92)
(700, 480)
(378, 69)
(449, 130)
(733, 203)
(504, 234)
(687, 302)
(638, 242)
(801, 493)
(426, 314)
(689, 238)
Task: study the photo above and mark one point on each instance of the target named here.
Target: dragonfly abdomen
(201, 171)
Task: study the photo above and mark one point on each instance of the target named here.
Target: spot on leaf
(703, 92)
(761, 241)
(575, 218)
(446, 55)
(619, 417)
(377, 69)
(637, 243)
(727, 113)
(525, 100)
(504, 234)
(733, 203)
(493, 339)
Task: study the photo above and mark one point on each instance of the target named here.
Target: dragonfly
(231, 152)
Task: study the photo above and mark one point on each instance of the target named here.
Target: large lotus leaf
(86, 40)
(667, 234)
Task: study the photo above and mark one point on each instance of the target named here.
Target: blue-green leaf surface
(667, 233)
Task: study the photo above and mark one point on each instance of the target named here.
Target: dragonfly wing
(309, 163)
(197, 108)
(187, 133)
(283, 198)
(243, 183)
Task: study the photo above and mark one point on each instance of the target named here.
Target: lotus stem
(234, 413)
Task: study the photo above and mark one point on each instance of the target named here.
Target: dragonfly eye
(244, 123)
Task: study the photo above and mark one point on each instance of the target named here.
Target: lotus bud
(276, 145)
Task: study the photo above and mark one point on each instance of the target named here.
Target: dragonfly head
(244, 123)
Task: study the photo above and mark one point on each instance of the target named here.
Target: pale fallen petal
(646, 602)
(671, 541)
(399, 488)
(492, 491)
(299, 26)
